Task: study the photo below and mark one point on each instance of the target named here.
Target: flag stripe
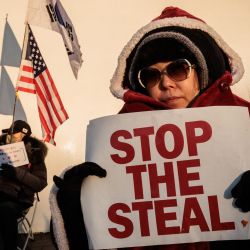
(26, 79)
(44, 106)
(27, 90)
(47, 90)
(47, 127)
(55, 100)
(27, 68)
(48, 135)
(58, 97)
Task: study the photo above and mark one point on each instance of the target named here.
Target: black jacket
(29, 179)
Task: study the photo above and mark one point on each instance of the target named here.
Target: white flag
(50, 14)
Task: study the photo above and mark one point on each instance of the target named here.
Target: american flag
(34, 77)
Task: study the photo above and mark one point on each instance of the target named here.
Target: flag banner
(169, 176)
(11, 51)
(34, 77)
(7, 97)
(50, 14)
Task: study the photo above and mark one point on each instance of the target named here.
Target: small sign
(14, 154)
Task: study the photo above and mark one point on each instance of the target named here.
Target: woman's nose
(166, 82)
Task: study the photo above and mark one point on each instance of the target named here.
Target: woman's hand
(241, 192)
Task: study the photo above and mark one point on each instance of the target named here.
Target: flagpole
(15, 100)
(16, 90)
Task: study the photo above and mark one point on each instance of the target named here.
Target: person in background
(18, 185)
(178, 61)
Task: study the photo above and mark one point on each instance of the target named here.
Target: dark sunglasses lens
(178, 70)
(150, 76)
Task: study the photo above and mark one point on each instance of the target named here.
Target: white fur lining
(235, 61)
(57, 220)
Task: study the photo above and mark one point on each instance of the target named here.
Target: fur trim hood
(36, 149)
(182, 25)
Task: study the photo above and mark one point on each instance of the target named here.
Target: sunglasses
(177, 71)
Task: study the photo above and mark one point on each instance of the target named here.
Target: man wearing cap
(18, 185)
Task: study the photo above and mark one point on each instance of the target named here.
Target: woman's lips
(170, 99)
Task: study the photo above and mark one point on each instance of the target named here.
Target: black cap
(19, 126)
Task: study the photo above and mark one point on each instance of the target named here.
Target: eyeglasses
(177, 71)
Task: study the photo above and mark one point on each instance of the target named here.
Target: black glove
(85, 169)
(241, 192)
(8, 171)
(74, 176)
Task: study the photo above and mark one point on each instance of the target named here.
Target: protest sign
(169, 175)
(14, 154)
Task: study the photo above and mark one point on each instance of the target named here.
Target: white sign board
(169, 175)
(14, 154)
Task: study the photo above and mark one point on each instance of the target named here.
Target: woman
(177, 61)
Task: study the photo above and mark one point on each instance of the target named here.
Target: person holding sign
(18, 184)
(178, 61)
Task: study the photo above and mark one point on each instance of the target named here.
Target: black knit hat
(216, 60)
(173, 43)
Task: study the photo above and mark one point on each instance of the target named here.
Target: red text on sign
(121, 141)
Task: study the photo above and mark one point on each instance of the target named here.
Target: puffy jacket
(31, 178)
